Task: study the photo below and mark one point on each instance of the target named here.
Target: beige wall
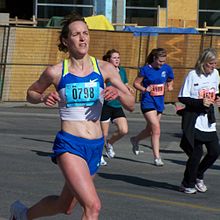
(32, 49)
(184, 12)
(162, 17)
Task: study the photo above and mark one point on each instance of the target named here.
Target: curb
(170, 109)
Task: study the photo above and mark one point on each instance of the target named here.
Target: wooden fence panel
(30, 50)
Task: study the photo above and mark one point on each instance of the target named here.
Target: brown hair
(108, 54)
(70, 18)
(154, 54)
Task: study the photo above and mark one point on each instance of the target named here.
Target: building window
(45, 9)
(209, 5)
(141, 17)
(143, 13)
(80, 2)
(148, 3)
(209, 14)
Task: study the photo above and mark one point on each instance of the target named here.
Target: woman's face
(210, 66)
(115, 59)
(158, 62)
(78, 39)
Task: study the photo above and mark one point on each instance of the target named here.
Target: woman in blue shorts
(152, 80)
(79, 91)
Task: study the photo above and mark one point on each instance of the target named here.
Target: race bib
(82, 94)
(207, 93)
(157, 90)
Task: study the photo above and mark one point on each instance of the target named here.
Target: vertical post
(167, 14)
(158, 15)
(120, 16)
(35, 9)
(4, 60)
(94, 7)
(184, 23)
(205, 26)
(16, 20)
(34, 20)
(108, 9)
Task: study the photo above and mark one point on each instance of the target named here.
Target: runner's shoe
(158, 162)
(103, 162)
(18, 211)
(200, 186)
(187, 190)
(109, 150)
(135, 147)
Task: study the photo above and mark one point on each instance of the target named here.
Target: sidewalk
(170, 109)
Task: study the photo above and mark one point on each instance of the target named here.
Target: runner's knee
(123, 131)
(156, 130)
(93, 208)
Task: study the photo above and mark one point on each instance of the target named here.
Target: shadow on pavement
(139, 181)
(42, 153)
(39, 140)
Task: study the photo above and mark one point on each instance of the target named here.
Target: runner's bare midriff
(84, 129)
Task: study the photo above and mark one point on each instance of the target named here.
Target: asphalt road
(130, 187)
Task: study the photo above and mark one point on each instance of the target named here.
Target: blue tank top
(80, 96)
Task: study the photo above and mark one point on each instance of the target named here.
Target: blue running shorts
(89, 150)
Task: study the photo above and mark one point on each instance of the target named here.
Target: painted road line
(157, 200)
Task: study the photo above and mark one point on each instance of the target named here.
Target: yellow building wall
(182, 13)
(162, 17)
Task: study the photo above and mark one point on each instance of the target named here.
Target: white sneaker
(135, 147)
(103, 162)
(109, 150)
(200, 186)
(158, 162)
(187, 190)
(18, 211)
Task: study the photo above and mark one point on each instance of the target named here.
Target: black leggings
(196, 169)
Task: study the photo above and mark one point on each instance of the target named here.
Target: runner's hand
(51, 99)
(207, 102)
(110, 93)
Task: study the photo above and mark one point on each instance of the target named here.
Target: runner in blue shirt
(152, 80)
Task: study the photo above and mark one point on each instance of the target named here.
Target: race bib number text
(157, 90)
(207, 93)
(82, 94)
